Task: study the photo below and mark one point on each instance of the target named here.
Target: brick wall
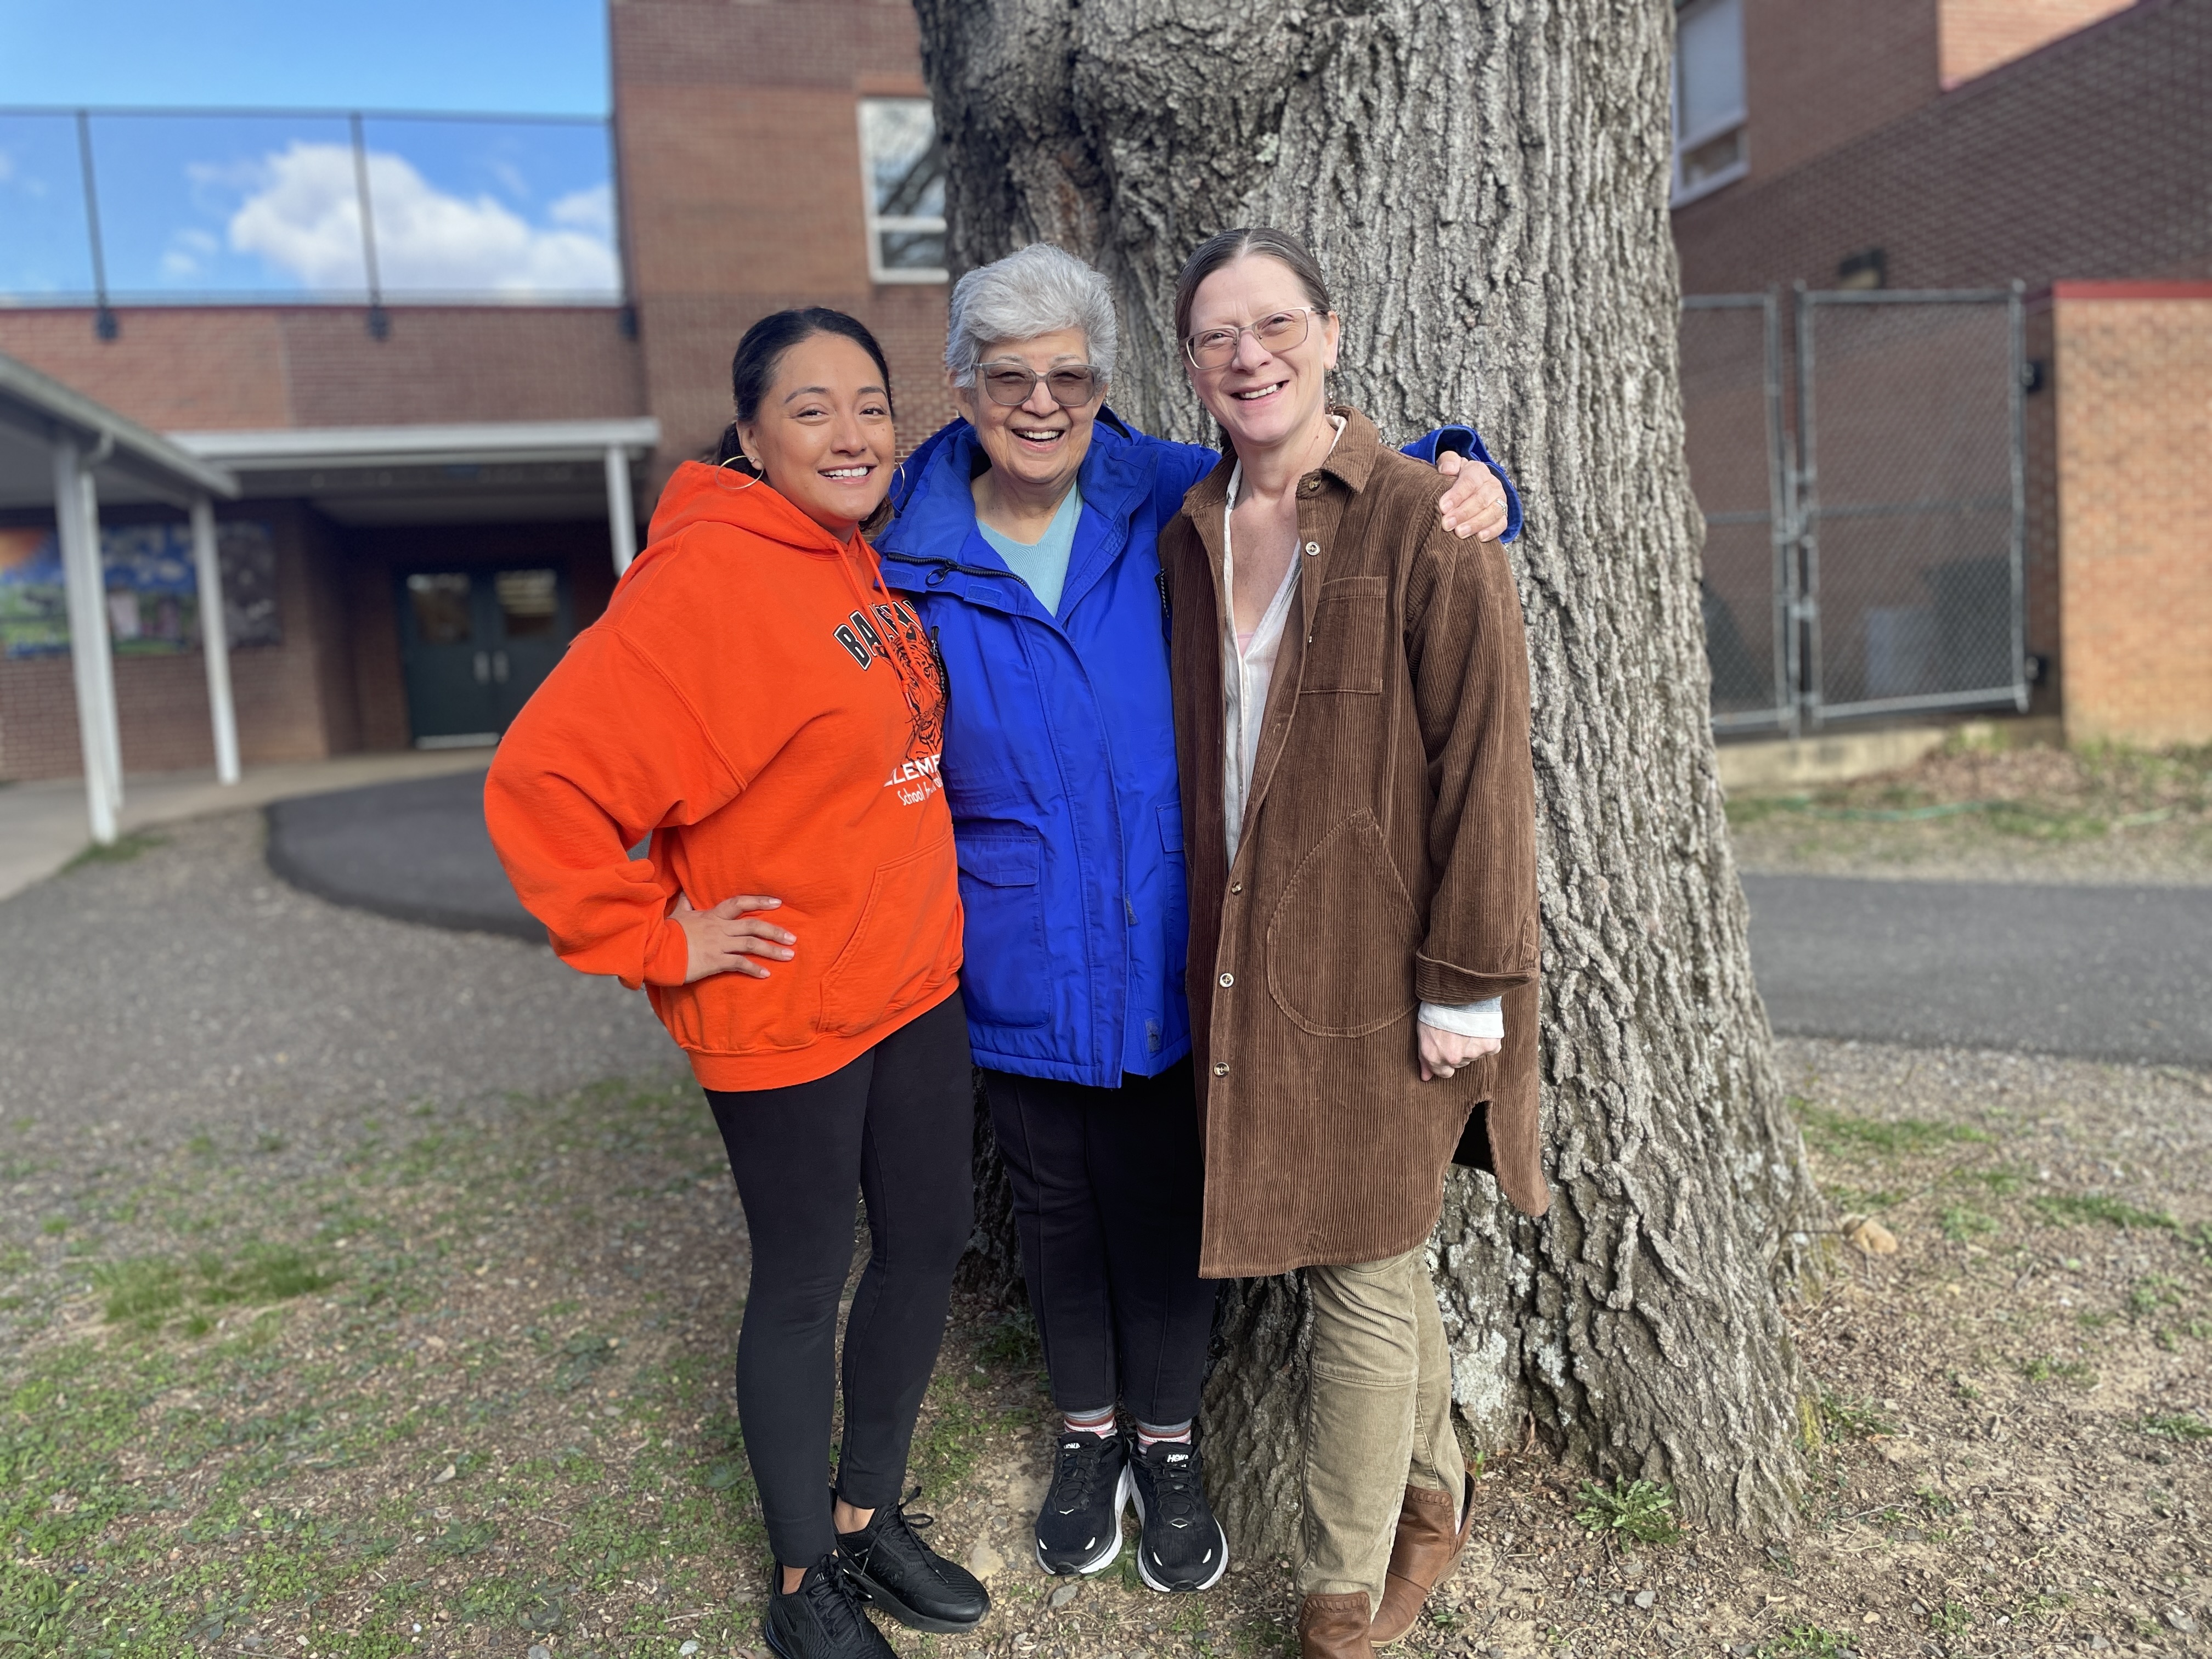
(2134, 377)
(1817, 74)
(2091, 157)
(294, 700)
(1977, 35)
(739, 130)
(236, 368)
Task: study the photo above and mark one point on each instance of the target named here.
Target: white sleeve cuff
(1486, 1018)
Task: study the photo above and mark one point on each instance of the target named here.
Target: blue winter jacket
(1060, 763)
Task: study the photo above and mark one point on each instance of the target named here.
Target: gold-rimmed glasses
(1278, 332)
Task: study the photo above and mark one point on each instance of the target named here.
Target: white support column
(214, 640)
(110, 720)
(88, 619)
(622, 518)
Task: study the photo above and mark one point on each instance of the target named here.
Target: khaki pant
(1378, 1418)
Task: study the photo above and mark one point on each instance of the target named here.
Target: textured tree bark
(1485, 182)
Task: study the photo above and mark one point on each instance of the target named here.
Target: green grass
(1847, 1417)
(1638, 1512)
(2065, 1209)
(121, 850)
(2046, 1370)
(1805, 1641)
(1838, 1132)
(1960, 1222)
(2177, 1426)
(1950, 1620)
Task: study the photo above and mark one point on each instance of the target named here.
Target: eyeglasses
(1277, 332)
(1072, 384)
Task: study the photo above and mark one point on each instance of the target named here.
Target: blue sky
(203, 206)
(545, 56)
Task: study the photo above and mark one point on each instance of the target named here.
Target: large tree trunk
(1487, 186)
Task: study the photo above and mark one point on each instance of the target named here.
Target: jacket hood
(933, 507)
(697, 494)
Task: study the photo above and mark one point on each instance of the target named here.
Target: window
(1709, 102)
(903, 166)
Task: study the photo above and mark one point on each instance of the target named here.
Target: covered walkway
(62, 452)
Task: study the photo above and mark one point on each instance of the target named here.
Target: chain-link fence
(1865, 502)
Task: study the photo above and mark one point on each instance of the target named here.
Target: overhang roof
(482, 471)
(37, 410)
(474, 443)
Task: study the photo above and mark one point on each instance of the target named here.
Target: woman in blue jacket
(1026, 535)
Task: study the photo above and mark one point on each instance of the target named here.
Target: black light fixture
(1868, 268)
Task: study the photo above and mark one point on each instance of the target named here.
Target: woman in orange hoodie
(757, 702)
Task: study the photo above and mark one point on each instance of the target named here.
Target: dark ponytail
(752, 371)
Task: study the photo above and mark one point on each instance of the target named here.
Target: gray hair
(1039, 290)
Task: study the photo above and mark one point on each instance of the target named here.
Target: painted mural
(151, 589)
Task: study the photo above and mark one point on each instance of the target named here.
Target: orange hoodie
(756, 700)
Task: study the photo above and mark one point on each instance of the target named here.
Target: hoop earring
(750, 478)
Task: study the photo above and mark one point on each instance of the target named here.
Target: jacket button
(1228, 980)
(1235, 886)
(1221, 1068)
(1312, 548)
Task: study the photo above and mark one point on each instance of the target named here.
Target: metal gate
(1865, 502)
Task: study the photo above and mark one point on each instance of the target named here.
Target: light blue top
(1042, 563)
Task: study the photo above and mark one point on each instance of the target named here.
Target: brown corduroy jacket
(1388, 858)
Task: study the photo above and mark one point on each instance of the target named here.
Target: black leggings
(898, 1123)
(1109, 1191)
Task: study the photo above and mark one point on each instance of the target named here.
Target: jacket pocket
(887, 962)
(1006, 978)
(1349, 641)
(1340, 943)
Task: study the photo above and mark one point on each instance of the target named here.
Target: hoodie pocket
(1004, 976)
(899, 938)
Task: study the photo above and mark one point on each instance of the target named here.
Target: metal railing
(1865, 555)
(108, 207)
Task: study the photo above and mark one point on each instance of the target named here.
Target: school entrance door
(473, 645)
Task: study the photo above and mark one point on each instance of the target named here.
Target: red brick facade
(737, 127)
(2134, 474)
(204, 369)
(738, 131)
(2090, 157)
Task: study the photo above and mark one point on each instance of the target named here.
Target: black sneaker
(822, 1618)
(1079, 1527)
(893, 1569)
(1180, 1546)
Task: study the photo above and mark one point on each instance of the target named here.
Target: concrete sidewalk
(43, 827)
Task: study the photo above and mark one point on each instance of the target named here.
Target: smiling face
(1262, 398)
(1036, 446)
(822, 434)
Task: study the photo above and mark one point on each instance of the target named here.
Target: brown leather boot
(1335, 1628)
(1422, 1555)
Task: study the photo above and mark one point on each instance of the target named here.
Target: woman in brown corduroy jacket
(1352, 712)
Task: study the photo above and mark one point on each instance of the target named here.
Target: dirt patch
(1965, 812)
(456, 1383)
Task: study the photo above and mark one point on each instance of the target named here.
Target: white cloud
(187, 254)
(305, 218)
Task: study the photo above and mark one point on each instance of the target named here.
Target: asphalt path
(2121, 973)
(2114, 973)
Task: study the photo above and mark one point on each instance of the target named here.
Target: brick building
(1950, 144)
(437, 492)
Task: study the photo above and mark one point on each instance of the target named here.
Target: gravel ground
(187, 987)
(2010, 1449)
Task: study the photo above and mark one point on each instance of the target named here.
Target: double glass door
(473, 645)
